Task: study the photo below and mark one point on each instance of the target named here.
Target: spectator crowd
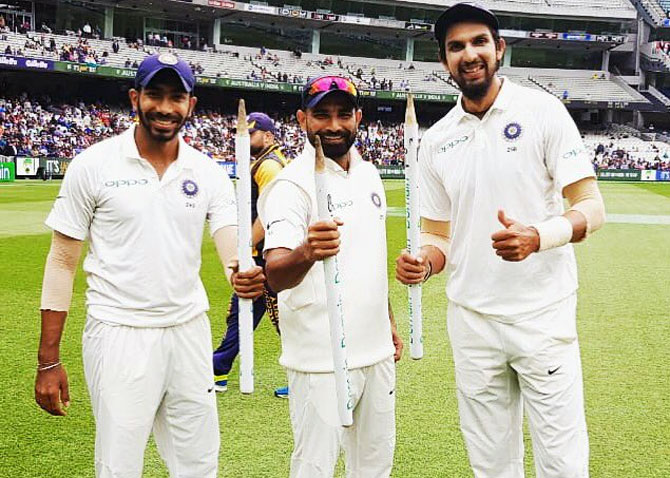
(32, 127)
(47, 128)
(645, 155)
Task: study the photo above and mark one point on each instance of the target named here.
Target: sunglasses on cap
(317, 89)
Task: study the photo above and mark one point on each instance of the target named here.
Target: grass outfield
(624, 326)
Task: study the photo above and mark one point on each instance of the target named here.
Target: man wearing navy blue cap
(268, 161)
(507, 151)
(163, 72)
(142, 200)
(296, 242)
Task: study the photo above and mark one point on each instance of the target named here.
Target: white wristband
(554, 232)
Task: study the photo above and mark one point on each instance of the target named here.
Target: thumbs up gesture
(516, 241)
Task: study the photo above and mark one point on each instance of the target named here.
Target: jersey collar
(130, 151)
(501, 103)
(354, 159)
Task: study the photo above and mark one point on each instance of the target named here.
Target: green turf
(624, 324)
(638, 198)
(658, 188)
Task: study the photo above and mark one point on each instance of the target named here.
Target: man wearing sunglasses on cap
(296, 242)
(493, 175)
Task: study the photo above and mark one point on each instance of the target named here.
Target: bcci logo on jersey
(512, 132)
(189, 188)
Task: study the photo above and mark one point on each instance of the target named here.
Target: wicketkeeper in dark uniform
(268, 161)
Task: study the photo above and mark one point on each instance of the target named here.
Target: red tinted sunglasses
(329, 83)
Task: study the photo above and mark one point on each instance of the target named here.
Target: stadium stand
(654, 11)
(617, 149)
(262, 65)
(614, 86)
(596, 87)
(41, 127)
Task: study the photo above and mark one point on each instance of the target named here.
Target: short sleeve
(222, 209)
(566, 157)
(285, 213)
(72, 212)
(435, 202)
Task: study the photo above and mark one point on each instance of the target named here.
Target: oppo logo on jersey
(338, 205)
(574, 153)
(453, 143)
(117, 183)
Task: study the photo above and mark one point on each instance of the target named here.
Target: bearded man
(506, 151)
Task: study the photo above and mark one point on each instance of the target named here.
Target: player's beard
(256, 150)
(475, 90)
(160, 135)
(333, 150)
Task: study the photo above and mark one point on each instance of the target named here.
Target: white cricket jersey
(145, 233)
(286, 208)
(518, 158)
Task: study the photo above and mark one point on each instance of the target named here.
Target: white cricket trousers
(503, 368)
(318, 436)
(141, 379)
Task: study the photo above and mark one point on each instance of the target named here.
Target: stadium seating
(622, 148)
(596, 87)
(247, 63)
(25, 121)
(654, 11)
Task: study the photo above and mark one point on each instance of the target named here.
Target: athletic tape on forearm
(584, 196)
(225, 240)
(554, 232)
(594, 212)
(59, 271)
(441, 242)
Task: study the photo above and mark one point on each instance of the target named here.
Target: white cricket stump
(334, 302)
(413, 225)
(243, 186)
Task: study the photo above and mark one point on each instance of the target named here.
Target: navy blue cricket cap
(164, 61)
(463, 12)
(261, 122)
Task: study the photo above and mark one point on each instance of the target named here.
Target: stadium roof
(612, 9)
(596, 9)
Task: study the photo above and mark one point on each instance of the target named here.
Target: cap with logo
(463, 12)
(317, 89)
(165, 61)
(261, 122)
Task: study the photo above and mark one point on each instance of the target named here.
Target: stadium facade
(606, 59)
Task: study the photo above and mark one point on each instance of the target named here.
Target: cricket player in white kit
(142, 200)
(506, 151)
(296, 242)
